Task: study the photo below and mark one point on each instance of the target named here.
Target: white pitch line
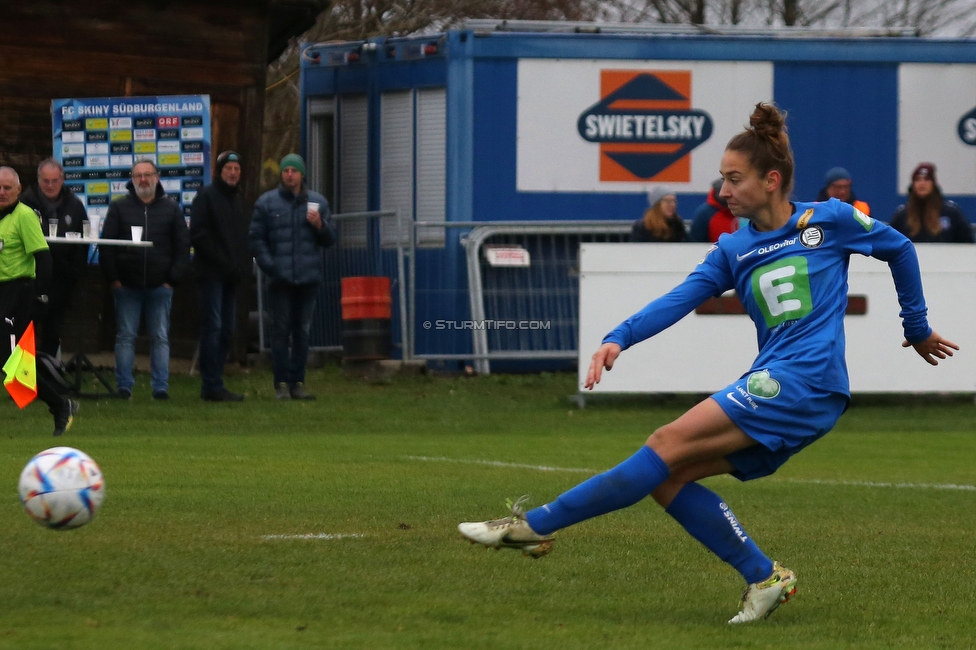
(583, 470)
(316, 536)
(915, 486)
(496, 463)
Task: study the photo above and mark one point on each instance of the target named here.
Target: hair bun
(767, 121)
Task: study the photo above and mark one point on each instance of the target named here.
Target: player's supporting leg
(708, 519)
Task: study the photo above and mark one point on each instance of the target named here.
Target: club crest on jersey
(760, 384)
(645, 125)
(812, 237)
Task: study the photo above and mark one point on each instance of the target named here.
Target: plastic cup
(96, 226)
(86, 229)
(71, 234)
(52, 227)
(312, 205)
(136, 233)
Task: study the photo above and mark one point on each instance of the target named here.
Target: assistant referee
(25, 275)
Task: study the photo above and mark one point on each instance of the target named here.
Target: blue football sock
(706, 518)
(617, 488)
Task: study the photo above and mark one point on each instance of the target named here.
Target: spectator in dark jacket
(219, 243)
(660, 222)
(927, 217)
(289, 228)
(837, 185)
(51, 200)
(142, 278)
(713, 217)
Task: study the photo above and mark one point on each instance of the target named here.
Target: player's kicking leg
(512, 531)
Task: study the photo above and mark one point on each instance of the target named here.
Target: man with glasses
(142, 278)
(52, 201)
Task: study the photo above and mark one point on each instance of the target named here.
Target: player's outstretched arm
(603, 358)
(932, 347)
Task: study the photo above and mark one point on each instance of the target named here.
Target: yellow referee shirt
(20, 237)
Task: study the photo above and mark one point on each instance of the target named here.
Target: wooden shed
(97, 48)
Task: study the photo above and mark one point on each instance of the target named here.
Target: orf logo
(645, 125)
(967, 128)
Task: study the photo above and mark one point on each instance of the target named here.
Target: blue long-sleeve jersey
(793, 284)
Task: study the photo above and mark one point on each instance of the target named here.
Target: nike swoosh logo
(742, 257)
(731, 396)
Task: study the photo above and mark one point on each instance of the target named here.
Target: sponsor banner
(937, 124)
(97, 140)
(622, 126)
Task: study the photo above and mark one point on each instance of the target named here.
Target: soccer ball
(62, 488)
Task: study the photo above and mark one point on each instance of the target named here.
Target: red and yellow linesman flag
(21, 370)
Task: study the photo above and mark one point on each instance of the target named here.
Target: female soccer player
(789, 268)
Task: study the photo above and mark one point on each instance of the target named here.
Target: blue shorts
(782, 413)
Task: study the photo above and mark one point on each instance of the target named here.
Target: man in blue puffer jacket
(289, 229)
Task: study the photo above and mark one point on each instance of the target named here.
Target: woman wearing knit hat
(928, 217)
(660, 222)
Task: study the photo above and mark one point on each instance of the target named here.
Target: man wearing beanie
(217, 232)
(289, 228)
(837, 185)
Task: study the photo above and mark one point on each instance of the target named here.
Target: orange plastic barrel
(366, 297)
(366, 312)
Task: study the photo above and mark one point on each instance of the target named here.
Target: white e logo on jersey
(784, 287)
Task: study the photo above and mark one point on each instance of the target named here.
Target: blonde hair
(657, 223)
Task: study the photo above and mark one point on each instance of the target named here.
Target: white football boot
(508, 532)
(760, 599)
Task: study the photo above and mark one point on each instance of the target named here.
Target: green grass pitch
(332, 524)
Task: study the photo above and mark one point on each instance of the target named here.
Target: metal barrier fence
(494, 312)
(519, 313)
(357, 252)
